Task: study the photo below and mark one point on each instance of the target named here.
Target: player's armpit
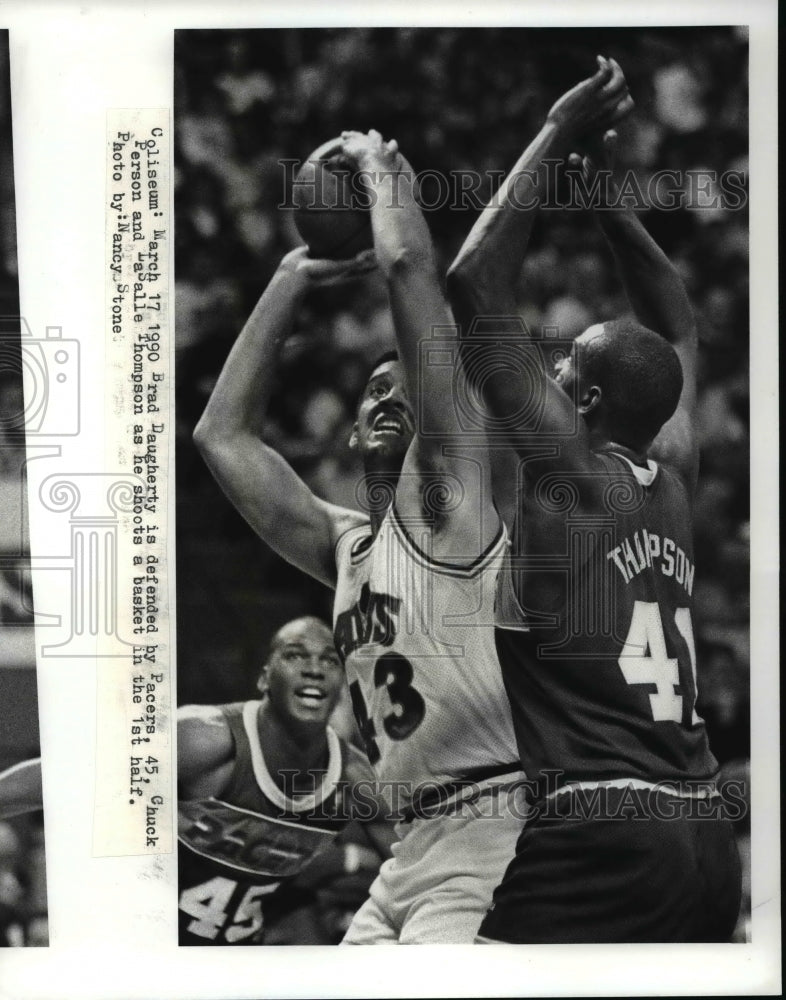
(677, 446)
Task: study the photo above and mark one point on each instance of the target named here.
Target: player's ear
(590, 399)
(353, 437)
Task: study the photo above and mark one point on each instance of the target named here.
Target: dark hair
(389, 355)
(639, 375)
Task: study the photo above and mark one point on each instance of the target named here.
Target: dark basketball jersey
(237, 849)
(603, 683)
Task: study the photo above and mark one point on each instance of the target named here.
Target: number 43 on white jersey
(644, 659)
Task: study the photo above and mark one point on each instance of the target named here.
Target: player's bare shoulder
(344, 525)
(205, 750)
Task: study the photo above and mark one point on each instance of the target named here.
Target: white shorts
(438, 885)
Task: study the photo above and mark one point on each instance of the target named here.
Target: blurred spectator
(23, 919)
(678, 98)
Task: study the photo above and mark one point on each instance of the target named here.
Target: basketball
(331, 207)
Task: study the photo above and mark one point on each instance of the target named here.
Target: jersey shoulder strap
(508, 612)
(353, 542)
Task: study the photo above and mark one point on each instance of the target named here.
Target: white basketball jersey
(417, 639)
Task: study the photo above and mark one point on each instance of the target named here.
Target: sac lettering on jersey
(238, 851)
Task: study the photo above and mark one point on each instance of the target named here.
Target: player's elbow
(468, 288)
(220, 422)
(205, 435)
(214, 438)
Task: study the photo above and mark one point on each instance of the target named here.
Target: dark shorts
(661, 870)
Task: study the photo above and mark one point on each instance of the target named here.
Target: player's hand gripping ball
(331, 204)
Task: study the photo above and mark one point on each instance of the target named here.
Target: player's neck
(637, 456)
(603, 440)
(379, 489)
(288, 747)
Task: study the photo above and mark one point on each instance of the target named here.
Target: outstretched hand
(595, 103)
(328, 272)
(600, 154)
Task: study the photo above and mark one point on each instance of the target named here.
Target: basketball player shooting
(628, 842)
(414, 576)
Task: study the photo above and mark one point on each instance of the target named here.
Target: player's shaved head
(390, 355)
(638, 373)
(298, 628)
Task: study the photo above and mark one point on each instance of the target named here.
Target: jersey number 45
(210, 904)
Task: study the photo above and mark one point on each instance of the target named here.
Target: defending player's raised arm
(659, 300)
(483, 278)
(20, 789)
(260, 483)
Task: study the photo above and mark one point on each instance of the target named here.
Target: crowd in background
(456, 100)
(23, 907)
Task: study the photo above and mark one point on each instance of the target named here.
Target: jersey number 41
(645, 660)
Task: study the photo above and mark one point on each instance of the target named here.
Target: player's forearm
(484, 275)
(20, 789)
(238, 402)
(653, 285)
(401, 237)
(405, 253)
